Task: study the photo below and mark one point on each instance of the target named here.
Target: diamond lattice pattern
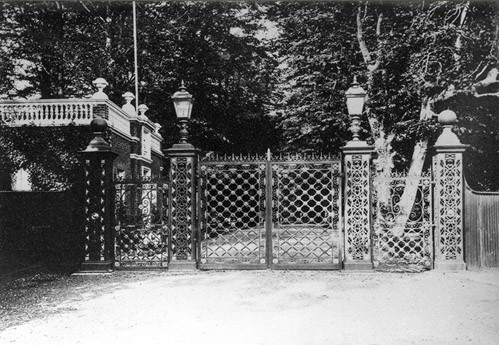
(305, 212)
(233, 221)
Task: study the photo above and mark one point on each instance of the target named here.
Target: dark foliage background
(264, 75)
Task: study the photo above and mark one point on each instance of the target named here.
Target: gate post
(357, 161)
(182, 208)
(448, 175)
(183, 197)
(99, 201)
(357, 224)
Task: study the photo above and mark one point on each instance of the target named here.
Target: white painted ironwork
(273, 211)
(402, 234)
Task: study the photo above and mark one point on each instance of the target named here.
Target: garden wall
(43, 227)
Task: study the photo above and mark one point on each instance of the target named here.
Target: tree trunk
(412, 181)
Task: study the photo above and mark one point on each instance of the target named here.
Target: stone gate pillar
(357, 196)
(448, 196)
(99, 201)
(183, 199)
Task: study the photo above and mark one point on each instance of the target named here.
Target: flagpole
(135, 58)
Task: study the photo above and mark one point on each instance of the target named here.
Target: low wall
(44, 227)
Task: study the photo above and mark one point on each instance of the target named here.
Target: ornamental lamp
(355, 98)
(355, 104)
(182, 100)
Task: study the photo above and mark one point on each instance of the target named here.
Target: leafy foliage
(284, 91)
(416, 58)
(48, 153)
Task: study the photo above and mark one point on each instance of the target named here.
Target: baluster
(24, 114)
(29, 113)
(44, 112)
(48, 112)
(37, 112)
(69, 112)
(87, 109)
(53, 112)
(34, 113)
(76, 113)
(83, 110)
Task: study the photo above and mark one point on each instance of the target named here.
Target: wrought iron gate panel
(258, 213)
(181, 215)
(232, 216)
(141, 224)
(402, 237)
(308, 209)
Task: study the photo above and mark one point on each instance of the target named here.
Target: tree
(412, 59)
(213, 48)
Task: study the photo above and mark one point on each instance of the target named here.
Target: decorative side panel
(357, 207)
(449, 206)
(141, 218)
(182, 193)
(402, 213)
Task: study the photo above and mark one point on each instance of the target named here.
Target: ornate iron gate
(403, 222)
(141, 224)
(258, 212)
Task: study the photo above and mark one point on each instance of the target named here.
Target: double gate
(258, 212)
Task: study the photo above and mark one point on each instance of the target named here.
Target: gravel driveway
(256, 307)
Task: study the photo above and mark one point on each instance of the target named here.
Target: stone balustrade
(53, 112)
(62, 112)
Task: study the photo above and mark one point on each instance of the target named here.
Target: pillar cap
(459, 148)
(181, 150)
(357, 146)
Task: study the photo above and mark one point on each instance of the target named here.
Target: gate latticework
(258, 212)
(403, 227)
(141, 224)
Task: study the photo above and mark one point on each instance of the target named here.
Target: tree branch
(366, 55)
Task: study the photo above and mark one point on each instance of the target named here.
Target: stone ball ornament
(98, 143)
(98, 125)
(447, 118)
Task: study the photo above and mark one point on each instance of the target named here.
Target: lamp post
(182, 196)
(355, 103)
(357, 163)
(182, 100)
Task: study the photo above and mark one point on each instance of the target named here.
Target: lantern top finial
(355, 90)
(182, 92)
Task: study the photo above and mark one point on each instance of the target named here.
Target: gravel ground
(252, 307)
